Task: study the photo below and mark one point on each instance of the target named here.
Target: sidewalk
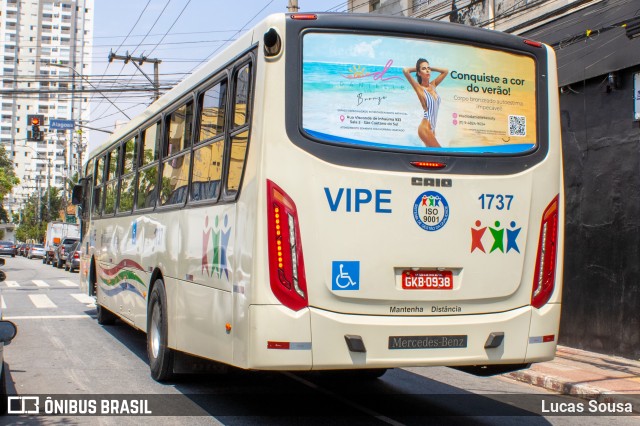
(586, 375)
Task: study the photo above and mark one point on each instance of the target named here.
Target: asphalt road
(61, 352)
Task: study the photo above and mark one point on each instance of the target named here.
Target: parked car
(8, 248)
(73, 257)
(8, 331)
(36, 250)
(60, 255)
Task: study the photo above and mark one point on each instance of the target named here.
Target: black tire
(104, 316)
(66, 267)
(160, 356)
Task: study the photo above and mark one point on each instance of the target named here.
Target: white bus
(338, 192)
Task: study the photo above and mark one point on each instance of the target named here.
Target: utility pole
(293, 6)
(49, 189)
(142, 60)
(39, 215)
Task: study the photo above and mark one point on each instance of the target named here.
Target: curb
(579, 390)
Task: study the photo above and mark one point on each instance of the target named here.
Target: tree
(36, 214)
(8, 180)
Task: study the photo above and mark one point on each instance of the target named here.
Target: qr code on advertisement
(517, 125)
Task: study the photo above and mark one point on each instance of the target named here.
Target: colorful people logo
(215, 243)
(498, 234)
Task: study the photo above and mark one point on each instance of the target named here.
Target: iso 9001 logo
(431, 211)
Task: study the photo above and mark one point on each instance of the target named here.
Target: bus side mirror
(77, 195)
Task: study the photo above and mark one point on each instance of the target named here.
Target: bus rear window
(415, 95)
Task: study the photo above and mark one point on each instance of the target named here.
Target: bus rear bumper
(400, 341)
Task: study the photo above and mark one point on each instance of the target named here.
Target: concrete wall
(601, 144)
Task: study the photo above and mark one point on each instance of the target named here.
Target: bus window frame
(232, 130)
(224, 75)
(156, 121)
(97, 214)
(136, 139)
(187, 151)
(116, 148)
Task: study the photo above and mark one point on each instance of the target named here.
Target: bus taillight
(545, 273)
(286, 265)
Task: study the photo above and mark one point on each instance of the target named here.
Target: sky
(181, 33)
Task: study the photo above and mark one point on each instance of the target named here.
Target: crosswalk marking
(12, 283)
(68, 283)
(83, 298)
(41, 317)
(2, 304)
(40, 283)
(41, 301)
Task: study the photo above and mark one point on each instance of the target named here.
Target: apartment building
(46, 49)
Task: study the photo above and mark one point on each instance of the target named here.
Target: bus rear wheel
(160, 355)
(104, 316)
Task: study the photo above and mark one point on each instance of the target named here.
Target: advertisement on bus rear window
(418, 95)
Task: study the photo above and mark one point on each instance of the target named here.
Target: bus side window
(97, 189)
(175, 180)
(147, 176)
(237, 161)
(175, 170)
(241, 104)
(111, 186)
(212, 112)
(150, 139)
(179, 129)
(127, 180)
(240, 138)
(206, 173)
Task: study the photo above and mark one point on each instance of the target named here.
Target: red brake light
(428, 165)
(286, 264)
(533, 43)
(76, 255)
(545, 274)
(304, 16)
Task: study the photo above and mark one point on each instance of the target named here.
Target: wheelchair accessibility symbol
(345, 275)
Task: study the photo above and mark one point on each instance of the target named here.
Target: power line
(134, 25)
(172, 25)
(234, 36)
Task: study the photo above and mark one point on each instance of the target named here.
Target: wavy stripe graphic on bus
(119, 280)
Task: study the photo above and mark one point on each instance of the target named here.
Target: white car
(8, 331)
(37, 250)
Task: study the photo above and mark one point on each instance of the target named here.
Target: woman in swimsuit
(429, 99)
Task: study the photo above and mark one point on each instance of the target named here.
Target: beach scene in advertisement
(418, 95)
